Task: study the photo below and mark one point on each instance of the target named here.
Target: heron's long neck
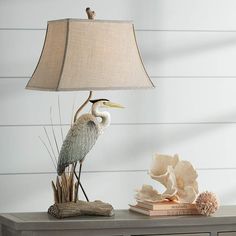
(106, 119)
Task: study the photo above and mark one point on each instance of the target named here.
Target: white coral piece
(148, 193)
(178, 177)
(186, 182)
(162, 170)
(163, 161)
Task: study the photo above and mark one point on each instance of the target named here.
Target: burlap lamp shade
(89, 55)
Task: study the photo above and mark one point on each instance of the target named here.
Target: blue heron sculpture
(83, 135)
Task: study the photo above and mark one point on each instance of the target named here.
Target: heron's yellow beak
(113, 105)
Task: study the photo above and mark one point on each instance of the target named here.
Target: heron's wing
(79, 141)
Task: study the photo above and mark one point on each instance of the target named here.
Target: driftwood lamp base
(79, 208)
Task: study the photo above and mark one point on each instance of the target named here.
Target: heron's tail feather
(60, 169)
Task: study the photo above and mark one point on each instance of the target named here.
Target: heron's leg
(78, 179)
(80, 168)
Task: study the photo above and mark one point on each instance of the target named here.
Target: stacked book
(166, 208)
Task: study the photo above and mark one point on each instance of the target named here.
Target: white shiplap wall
(189, 49)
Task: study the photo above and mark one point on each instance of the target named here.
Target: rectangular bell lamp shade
(89, 55)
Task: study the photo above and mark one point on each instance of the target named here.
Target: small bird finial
(91, 14)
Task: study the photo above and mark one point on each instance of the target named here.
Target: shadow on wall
(155, 137)
(189, 48)
(229, 195)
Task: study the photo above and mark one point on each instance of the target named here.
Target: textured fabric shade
(89, 55)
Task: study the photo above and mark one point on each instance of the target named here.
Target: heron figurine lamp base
(66, 192)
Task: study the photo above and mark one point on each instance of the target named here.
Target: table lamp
(89, 55)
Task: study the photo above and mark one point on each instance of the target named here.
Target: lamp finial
(91, 14)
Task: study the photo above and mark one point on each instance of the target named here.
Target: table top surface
(122, 219)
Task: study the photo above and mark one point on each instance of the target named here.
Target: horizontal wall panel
(182, 100)
(123, 147)
(24, 193)
(164, 53)
(188, 53)
(156, 14)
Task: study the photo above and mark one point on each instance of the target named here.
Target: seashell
(207, 203)
(178, 177)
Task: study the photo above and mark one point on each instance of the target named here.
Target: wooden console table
(124, 223)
